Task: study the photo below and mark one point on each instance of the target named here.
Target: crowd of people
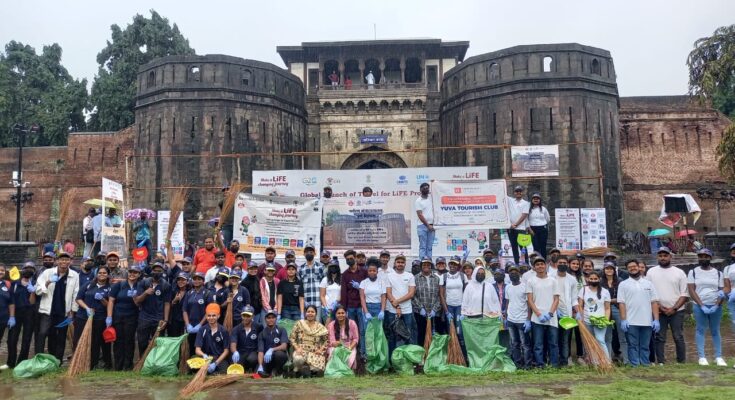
(629, 310)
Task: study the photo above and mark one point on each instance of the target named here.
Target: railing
(377, 86)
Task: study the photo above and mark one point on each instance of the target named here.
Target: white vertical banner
(567, 229)
(113, 227)
(177, 237)
(594, 227)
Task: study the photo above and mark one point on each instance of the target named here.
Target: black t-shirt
(291, 291)
(58, 301)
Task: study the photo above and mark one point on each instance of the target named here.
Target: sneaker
(703, 362)
(720, 362)
(4, 367)
(581, 361)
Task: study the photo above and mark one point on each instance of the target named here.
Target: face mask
(664, 264)
(499, 279)
(704, 263)
(554, 258)
(309, 257)
(632, 275)
(28, 274)
(234, 249)
(562, 267)
(48, 264)
(86, 267)
(350, 262)
(586, 273)
(479, 277)
(593, 284)
(515, 278)
(157, 275)
(488, 259)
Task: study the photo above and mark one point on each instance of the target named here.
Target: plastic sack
(39, 365)
(483, 349)
(337, 366)
(163, 360)
(436, 359)
(376, 346)
(404, 357)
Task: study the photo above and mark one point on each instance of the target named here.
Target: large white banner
(594, 227)
(285, 223)
(535, 160)
(567, 229)
(470, 204)
(113, 229)
(177, 237)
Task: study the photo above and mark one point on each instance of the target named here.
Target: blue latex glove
(713, 309)
(527, 327)
(559, 314)
(11, 322)
(461, 317)
(108, 321)
(381, 315)
(355, 284)
(189, 328)
(624, 325)
(212, 367)
(204, 356)
(54, 278)
(302, 315)
(432, 314)
(706, 309)
(278, 318)
(98, 296)
(196, 328)
(90, 312)
(325, 311)
(721, 294)
(449, 316)
(64, 323)
(260, 369)
(422, 312)
(267, 356)
(656, 326)
(368, 316)
(236, 357)
(30, 288)
(544, 318)
(466, 252)
(580, 316)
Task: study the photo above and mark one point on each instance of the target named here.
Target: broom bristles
(196, 383)
(229, 317)
(427, 337)
(454, 350)
(178, 202)
(220, 381)
(151, 345)
(594, 351)
(229, 204)
(183, 356)
(67, 199)
(82, 358)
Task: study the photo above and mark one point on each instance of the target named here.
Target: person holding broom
(425, 303)
(123, 313)
(195, 303)
(244, 340)
(93, 302)
(154, 300)
(213, 341)
(594, 301)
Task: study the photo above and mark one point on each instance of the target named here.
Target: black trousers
(249, 361)
(421, 326)
(25, 321)
(676, 323)
(145, 332)
(124, 346)
(99, 346)
(175, 328)
(56, 336)
(278, 360)
(192, 338)
(513, 237)
(539, 239)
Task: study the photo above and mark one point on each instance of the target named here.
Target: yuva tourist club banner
(476, 204)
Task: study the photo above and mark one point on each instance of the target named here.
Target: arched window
(246, 76)
(548, 62)
(595, 67)
(151, 82)
(494, 72)
(455, 84)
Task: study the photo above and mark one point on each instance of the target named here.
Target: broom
(228, 315)
(595, 354)
(196, 383)
(220, 381)
(228, 206)
(454, 350)
(64, 213)
(178, 202)
(82, 358)
(183, 356)
(427, 337)
(70, 336)
(151, 345)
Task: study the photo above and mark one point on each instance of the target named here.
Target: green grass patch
(631, 389)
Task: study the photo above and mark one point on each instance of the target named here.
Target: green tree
(712, 79)
(113, 91)
(38, 89)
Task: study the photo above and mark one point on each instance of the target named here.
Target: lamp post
(20, 197)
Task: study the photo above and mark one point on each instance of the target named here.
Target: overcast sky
(649, 40)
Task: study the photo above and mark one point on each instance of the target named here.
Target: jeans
(456, 311)
(599, 334)
(513, 237)
(676, 322)
(87, 249)
(124, 347)
(291, 312)
(564, 342)
(639, 341)
(56, 336)
(227, 234)
(520, 345)
(355, 314)
(615, 316)
(539, 239)
(374, 310)
(25, 321)
(426, 241)
(392, 340)
(545, 335)
(705, 321)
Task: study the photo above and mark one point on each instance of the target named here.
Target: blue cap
(224, 271)
(494, 261)
(706, 252)
(236, 274)
(290, 253)
(29, 264)
(248, 309)
(455, 259)
(488, 250)
(183, 275)
(426, 260)
(252, 264)
(732, 246)
(186, 260)
(49, 254)
(270, 312)
(86, 258)
(609, 264)
(663, 249)
(441, 260)
(510, 264)
(198, 275)
(610, 254)
(326, 253)
(135, 267)
(415, 262)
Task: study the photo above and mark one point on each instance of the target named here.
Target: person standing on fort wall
(425, 228)
(370, 79)
(518, 209)
(334, 79)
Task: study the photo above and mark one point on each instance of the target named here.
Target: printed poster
(113, 230)
(567, 229)
(476, 204)
(594, 227)
(535, 160)
(177, 236)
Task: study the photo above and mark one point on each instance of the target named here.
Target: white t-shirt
(637, 295)
(399, 284)
(568, 294)
(333, 291)
(543, 292)
(670, 284)
(373, 290)
(593, 307)
(516, 209)
(424, 205)
(528, 275)
(517, 303)
(729, 273)
(538, 216)
(708, 283)
(454, 287)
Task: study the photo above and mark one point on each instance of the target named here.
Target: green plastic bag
(483, 349)
(163, 360)
(404, 357)
(436, 359)
(337, 366)
(39, 365)
(376, 346)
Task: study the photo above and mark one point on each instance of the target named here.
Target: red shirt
(229, 258)
(204, 259)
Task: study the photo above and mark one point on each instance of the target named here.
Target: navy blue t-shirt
(123, 294)
(58, 301)
(85, 277)
(270, 338)
(152, 307)
(213, 344)
(89, 294)
(6, 299)
(246, 342)
(195, 303)
(21, 296)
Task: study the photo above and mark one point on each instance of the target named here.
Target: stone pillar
(341, 69)
(403, 69)
(382, 71)
(321, 73)
(361, 66)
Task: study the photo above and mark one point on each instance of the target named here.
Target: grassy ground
(669, 382)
